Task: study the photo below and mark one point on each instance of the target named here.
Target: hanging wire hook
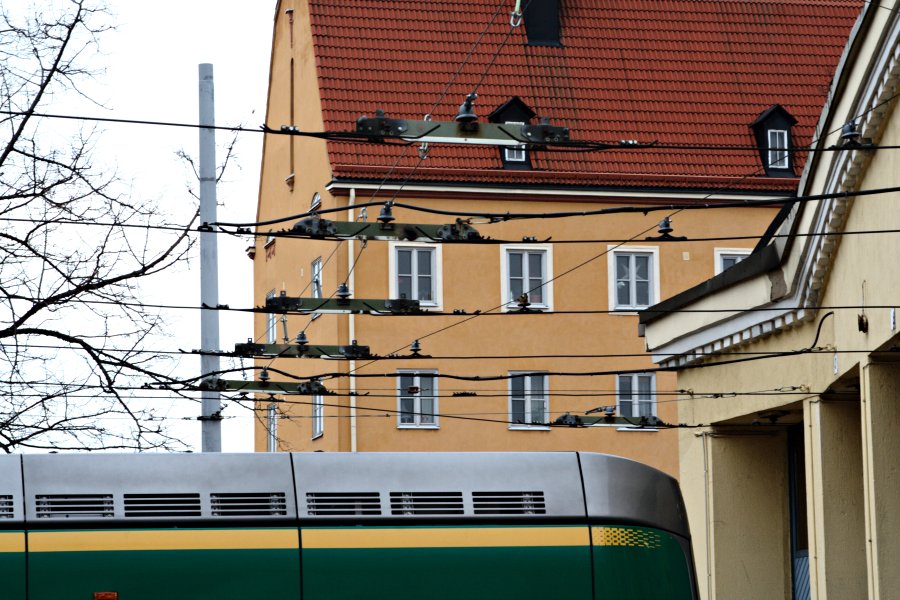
(515, 17)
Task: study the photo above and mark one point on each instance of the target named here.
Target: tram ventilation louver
(328, 504)
(248, 504)
(162, 505)
(65, 506)
(427, 503)
(509, 503)
(6, 507)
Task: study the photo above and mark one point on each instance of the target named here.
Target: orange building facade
(489, 376)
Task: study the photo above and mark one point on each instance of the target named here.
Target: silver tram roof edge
(335, 487)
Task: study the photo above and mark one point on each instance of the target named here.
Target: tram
(341, 526)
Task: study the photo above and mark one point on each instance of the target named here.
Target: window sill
(621, 428)
(418, 426)
(529, 428)
(513, 307)
(628, 312)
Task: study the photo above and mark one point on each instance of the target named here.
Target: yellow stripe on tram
(12, 541)
(181, 539)
(446, 537)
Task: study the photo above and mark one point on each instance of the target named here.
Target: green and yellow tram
(320, 526)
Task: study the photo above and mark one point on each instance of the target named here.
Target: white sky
(151, 62)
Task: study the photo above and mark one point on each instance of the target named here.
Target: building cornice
(508, 192)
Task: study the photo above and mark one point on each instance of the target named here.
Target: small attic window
(514, 112)
(542, 22)
(772, 130)
(778, 155)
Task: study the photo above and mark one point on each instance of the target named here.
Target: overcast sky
(151, 61)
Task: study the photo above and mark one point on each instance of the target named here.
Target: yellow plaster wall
(471, 281)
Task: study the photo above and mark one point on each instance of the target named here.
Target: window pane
(407, 407)
(404, 262)
(642, 267)
(515, 264)
(537, 385)
(625, 392)
(536, 290)
(623, 281)
(623, 267)
(516, 289)
(642, 293)
(424, 284)
(536, 265)
(517, 408)
(517, 386)
(426, 415)
(426, 385)
(538, 407)
(404, 286)
(644, 387)
(423, 262)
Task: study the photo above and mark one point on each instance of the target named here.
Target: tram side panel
(149, 527)
(443, 526)
(446, 562)
(12, 529)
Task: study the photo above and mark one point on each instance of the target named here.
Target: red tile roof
(691, 72)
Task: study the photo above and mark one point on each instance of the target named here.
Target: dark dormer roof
(513, 110)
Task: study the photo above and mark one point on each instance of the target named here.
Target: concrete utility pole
(211, 405)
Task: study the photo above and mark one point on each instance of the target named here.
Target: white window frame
(511, 304)
(635, 400)
(436, 271)
(417, 399)
(778, 156)
(315, 282)
(528, 398)
(615, 251)
(722, 253)
(515, 154)
(271, 323)
(318, 416)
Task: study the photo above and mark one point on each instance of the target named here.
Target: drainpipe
(705, 436)
(351, 257)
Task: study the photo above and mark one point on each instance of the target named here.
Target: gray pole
(209, 276)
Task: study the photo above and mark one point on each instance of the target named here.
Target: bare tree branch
(54, 266)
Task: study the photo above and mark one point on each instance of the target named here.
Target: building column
(748, 520)
(880, 399)
(835, 502)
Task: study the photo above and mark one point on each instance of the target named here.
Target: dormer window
(772, 132)
(514, 113)
(515, 154)
(778, 149)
